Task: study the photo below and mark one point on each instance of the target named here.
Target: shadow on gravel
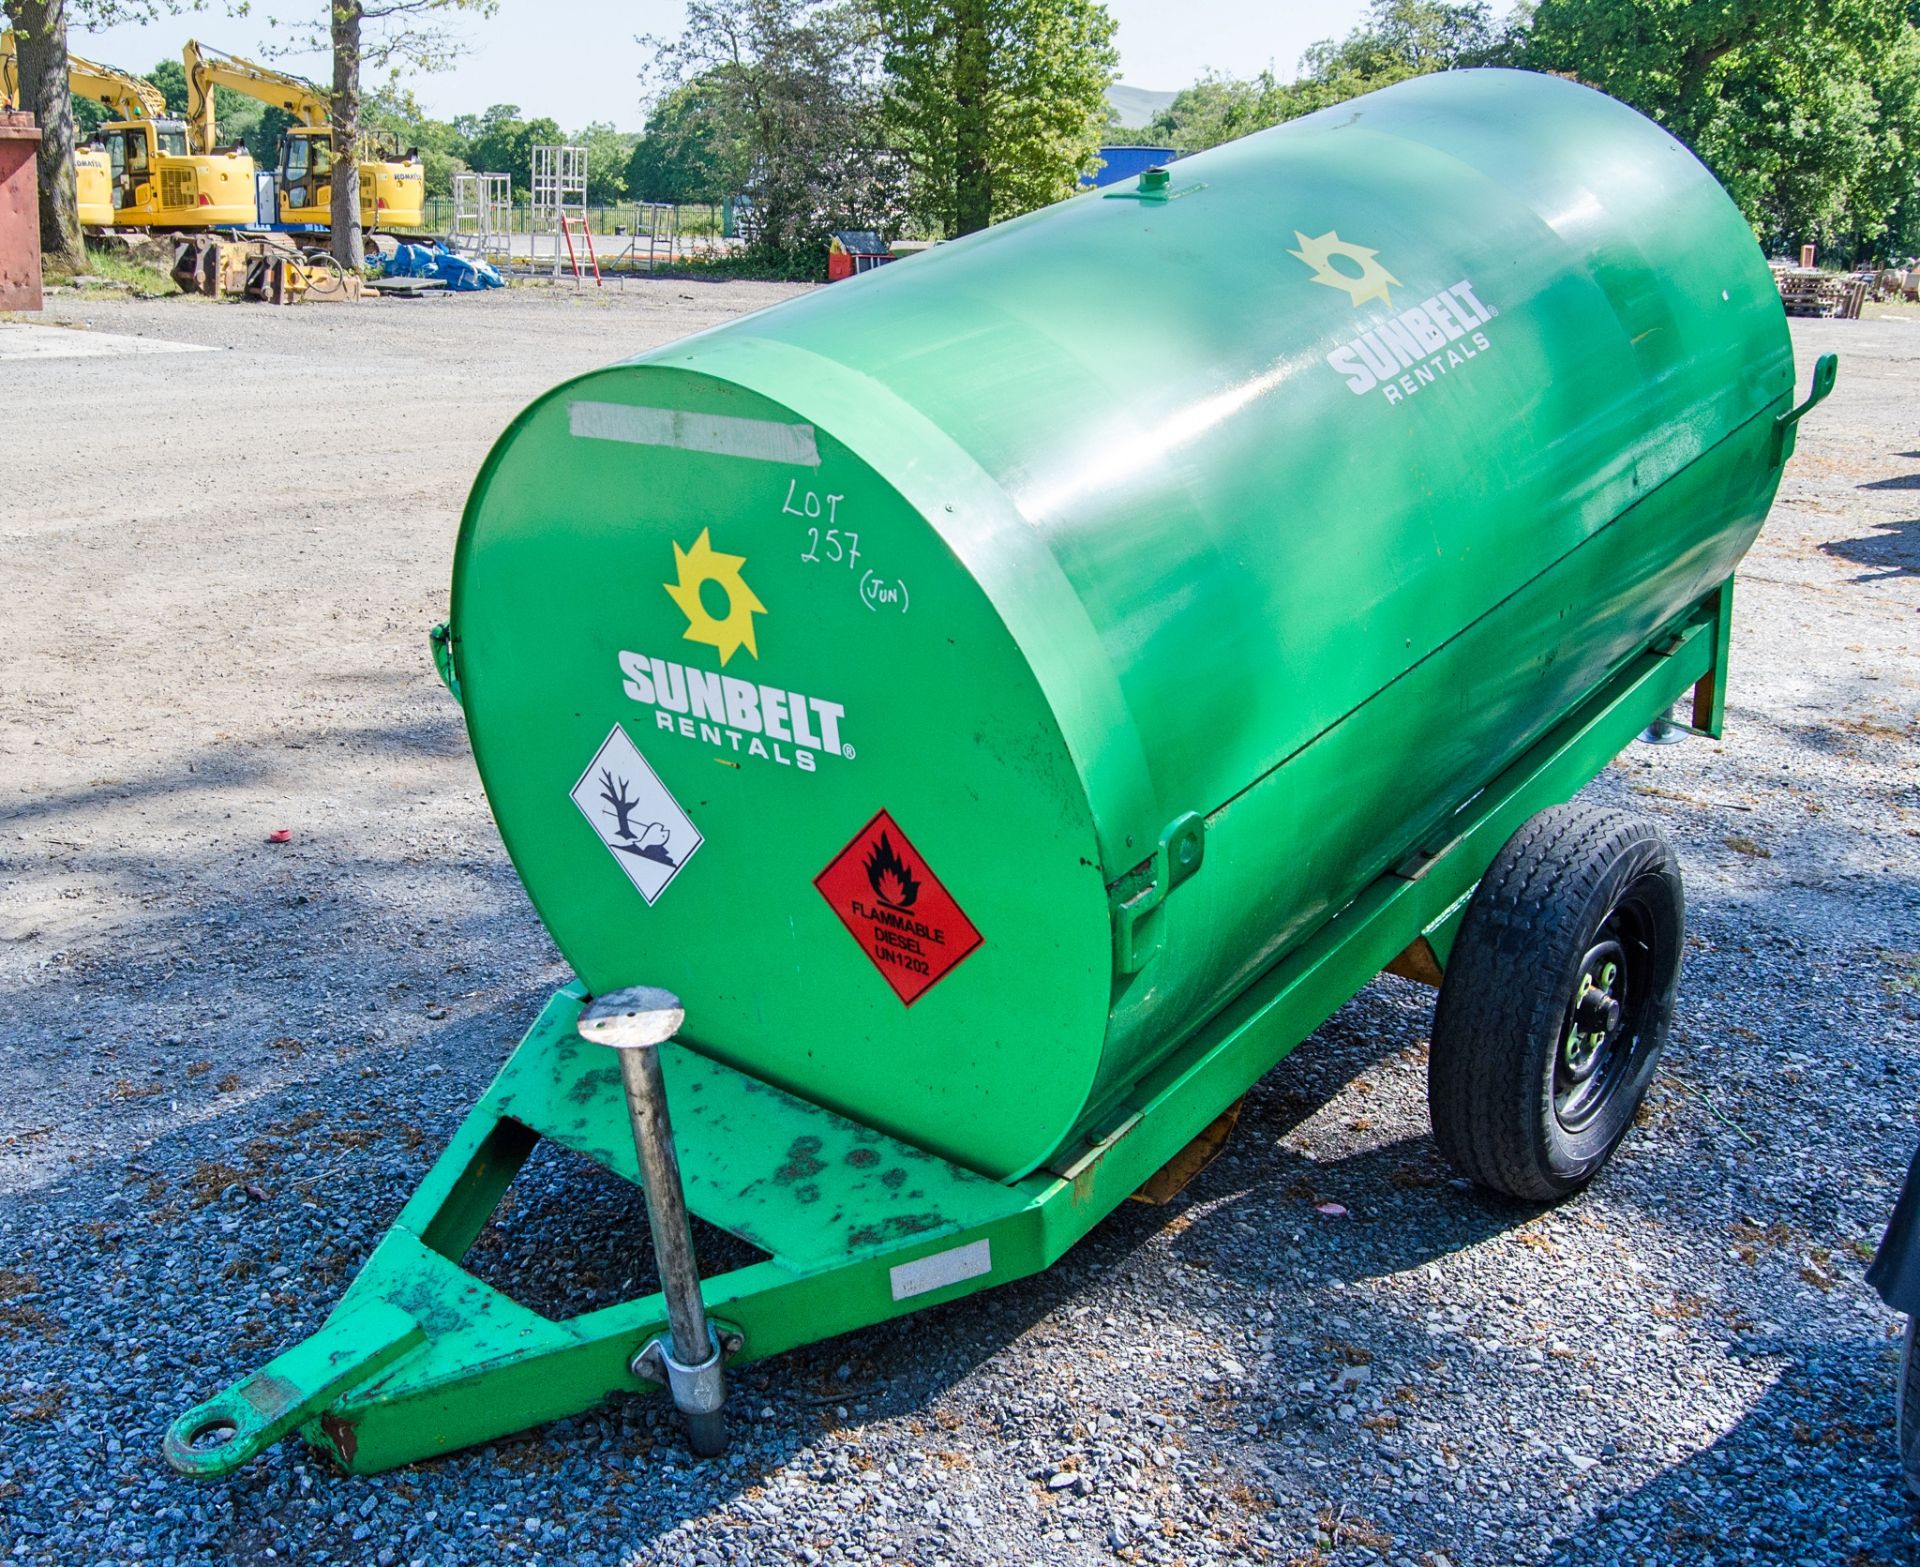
(1893, 550)
(1769, 1482)
(1401, 1212)
(231, 765)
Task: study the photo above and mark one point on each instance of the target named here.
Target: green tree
(693, 149)
(170, 76)
(1403, 38)
(608, 153)
(1218, 109)
(1889, 194)
(1803, 108)
(798, 79)
(999, 105)
(443, 150)
(88, 117)
(488, 137)
(500, 142)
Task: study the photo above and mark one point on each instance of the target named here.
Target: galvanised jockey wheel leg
(635, 1023)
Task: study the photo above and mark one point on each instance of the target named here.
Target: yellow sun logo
(1369, 282)
(697, 567)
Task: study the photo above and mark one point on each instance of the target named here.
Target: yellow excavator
(139, 171)
(393, 186)
(141, 174)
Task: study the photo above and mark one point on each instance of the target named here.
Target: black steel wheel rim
(1603, 1034)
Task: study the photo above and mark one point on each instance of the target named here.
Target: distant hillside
(1135, 106)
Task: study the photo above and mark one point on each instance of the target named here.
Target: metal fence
(692, 217)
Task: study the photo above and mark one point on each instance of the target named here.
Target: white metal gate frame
(559, 192)
(483, 217)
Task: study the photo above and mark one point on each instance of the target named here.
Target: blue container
(1123, 163)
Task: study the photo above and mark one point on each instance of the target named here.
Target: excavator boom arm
(208, 68)
(125, 97)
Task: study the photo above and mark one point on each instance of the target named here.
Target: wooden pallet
(1833, 295)
(405, 287)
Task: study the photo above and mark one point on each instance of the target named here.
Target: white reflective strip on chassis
(762, 440)
(941, 1269)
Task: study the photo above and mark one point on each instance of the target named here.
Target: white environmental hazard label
(641, 824)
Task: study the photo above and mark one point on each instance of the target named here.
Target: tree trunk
(348, 247)
(973, 172)
(40, 36)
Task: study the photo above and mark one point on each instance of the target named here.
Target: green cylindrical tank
(957, 683)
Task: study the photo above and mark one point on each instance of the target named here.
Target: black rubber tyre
(1906, 1424)
(1558, 996)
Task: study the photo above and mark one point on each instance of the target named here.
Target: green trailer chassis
(420, 1357)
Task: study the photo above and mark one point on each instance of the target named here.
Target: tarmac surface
(228, 1060)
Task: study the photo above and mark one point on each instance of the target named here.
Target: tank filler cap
(1156, 185)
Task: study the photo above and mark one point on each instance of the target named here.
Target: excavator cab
(155, 182)
(306, 176)
(392, 187)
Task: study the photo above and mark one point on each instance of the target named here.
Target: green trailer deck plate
(809, 1188)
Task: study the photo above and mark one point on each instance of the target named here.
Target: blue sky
(577, 60)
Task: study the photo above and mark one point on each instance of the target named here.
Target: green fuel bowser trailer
(999, 729)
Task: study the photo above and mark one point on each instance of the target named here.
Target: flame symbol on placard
(887, 874)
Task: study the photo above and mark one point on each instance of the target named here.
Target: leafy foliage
(443, 150)
(1218, 109)
(1000, 105)
(695, 147)
(1805, 109)
(794, 82)
(609, 151)
(500, 142)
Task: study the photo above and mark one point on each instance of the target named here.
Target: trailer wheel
(1558, 995)
(1906, 1424)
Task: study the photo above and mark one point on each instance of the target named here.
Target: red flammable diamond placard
(905, 921)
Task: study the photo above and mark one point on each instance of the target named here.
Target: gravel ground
(228, 1062)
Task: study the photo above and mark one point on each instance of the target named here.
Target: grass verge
(115, 274)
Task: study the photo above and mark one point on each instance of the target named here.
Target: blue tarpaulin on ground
(436, 261)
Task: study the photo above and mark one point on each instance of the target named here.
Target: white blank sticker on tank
(760, 440)
(941, 1269)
